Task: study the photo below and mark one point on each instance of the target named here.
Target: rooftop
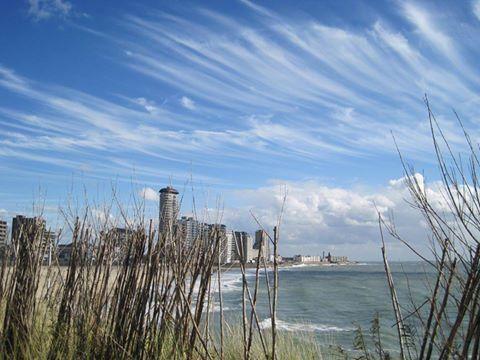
(169, 190)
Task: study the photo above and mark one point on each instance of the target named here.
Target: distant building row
(236, 246)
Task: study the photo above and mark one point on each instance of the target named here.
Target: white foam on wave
(299, 327)
(297, 266)
(231, 281)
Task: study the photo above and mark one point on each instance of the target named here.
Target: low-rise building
(338, 259)
(64, 253)
(316, 259)
(309, 259)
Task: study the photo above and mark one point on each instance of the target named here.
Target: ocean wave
(302, 327)
(215, 307)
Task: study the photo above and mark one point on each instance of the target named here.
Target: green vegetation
(296, 346)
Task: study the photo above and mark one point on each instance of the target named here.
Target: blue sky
(242, 97)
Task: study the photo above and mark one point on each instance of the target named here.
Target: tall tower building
(168, 209)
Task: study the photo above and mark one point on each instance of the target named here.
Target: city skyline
(236, 245)
(231, 103)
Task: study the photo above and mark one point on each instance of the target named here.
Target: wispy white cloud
(187, 103)
(438, 29)
(476, 8)
(148, 193)
(45, 9)
(147, 104)
(427, 28)
(398, 42)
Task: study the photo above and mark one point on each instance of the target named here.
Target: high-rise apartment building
(189, 229)
(22, 224)
(208, 234)
(168, 209)
(243, 247)
(228, 251)
(225, 238)
(3, 236)
(119, 239)
(261, 237)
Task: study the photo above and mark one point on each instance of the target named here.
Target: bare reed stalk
(276, 236)
(275, 293)
(395, 303)
(254, 302)
(240, 250)
(220, 299)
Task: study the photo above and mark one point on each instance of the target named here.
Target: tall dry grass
(446, 324)
(146, 297)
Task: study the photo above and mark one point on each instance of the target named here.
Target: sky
(236, 103)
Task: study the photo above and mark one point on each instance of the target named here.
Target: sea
(330, 302)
